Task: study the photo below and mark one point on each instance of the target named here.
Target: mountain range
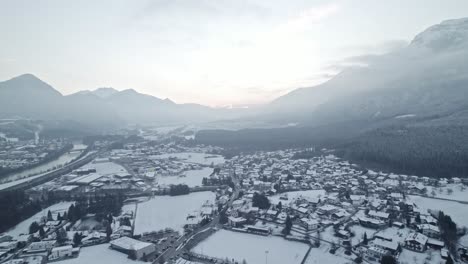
(28, 97)
(406, 111)
(426, 82)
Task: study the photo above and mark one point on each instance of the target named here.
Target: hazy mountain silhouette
(406, 111)
(27, 96)
(427, 78)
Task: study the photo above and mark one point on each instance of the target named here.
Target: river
(60, 161)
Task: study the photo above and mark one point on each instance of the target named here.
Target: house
(8, 245)
(309, 224)
(258, 230)
(271, 213)
(376, 253)
(434, 243)
(62, 252)
(94, 238)
(124, 230)
(391, 246)
(416, 242)
(327, 209)
(371, 223)
(128, 245)
(428, 219)
(378, 215)
(41, 246)
(237, 204)
(301, 211)
(429, 230)
(236, 221)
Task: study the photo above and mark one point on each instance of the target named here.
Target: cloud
(310, 16)
(379, 48)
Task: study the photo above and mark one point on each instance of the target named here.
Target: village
(184, 203)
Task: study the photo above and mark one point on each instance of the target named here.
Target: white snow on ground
(101, 254)
(405, 116)
(463, 240)
(194, 157)
(359, 233)
(411, 257)
(457, 211)
(105, 168)
(192, 178)
(252, 248)
(459, 192)
(168, 211)
(275, 199)
(397, 234)
(23, 227)
(321, 256)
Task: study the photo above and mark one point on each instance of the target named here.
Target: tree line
(424, 151)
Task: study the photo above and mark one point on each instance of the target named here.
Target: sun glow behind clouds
(272, 59)
(215, 52)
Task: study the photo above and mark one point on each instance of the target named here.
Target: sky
(212, 52)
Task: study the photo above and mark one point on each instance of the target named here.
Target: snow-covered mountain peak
(448, 35)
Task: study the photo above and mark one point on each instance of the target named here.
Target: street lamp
(266, 256)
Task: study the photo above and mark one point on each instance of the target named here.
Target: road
(178, 248)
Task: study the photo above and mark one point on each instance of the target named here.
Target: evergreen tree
(388, 260)
(449, 260)
(77, 239)
(417, 219)
(364, 240)
(61, 235)
(49, 216)
(41, 232)
(34, 227)
(108, 232)
(288, 225)
(71, 213)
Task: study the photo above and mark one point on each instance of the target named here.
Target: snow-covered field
(252, 248)
(411, 257)
(275, 199)
(463, 240)
(359, 233)
(397, 234)
(101, 254)
(457, 211)
(192, 178)
(105, 168)
(168, 211)
(194, 157)
(459, 192)
(321, 256)
(23, 227)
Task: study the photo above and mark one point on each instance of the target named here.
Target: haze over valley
(302, 132)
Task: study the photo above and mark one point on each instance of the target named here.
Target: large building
(127, 245)
(416, 242)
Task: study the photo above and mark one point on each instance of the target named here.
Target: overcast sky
(214, 52)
